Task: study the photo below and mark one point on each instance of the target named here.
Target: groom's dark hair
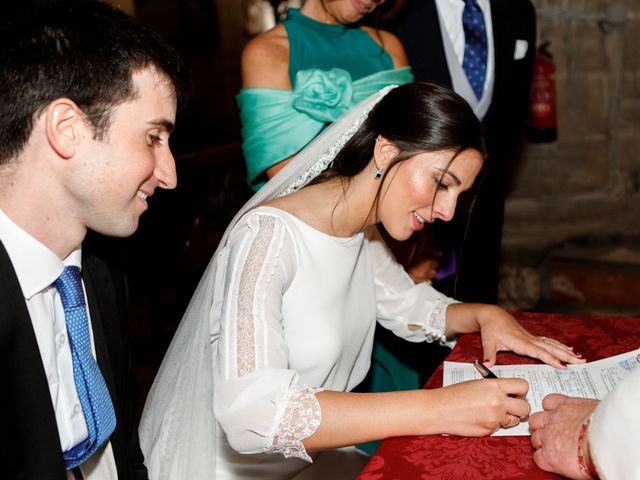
(83, 50)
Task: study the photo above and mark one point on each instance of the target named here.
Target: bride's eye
(440, 185)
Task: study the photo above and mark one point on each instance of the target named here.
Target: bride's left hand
(500, 331)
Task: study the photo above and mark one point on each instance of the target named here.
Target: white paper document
(589, 380)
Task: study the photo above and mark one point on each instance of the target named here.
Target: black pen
(484, 371)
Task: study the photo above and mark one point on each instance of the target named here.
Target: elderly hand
(555, 432)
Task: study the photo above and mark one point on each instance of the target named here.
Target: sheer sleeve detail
(300, 420)
(252, 272)
(258, 400)
(263, 259)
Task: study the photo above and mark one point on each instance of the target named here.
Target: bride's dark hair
(417, 117)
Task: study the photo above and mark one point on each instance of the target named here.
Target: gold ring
(509, 420)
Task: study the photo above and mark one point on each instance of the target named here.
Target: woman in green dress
(302, 74)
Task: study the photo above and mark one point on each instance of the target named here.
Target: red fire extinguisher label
(542, 107)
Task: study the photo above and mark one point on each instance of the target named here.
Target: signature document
(589, 380)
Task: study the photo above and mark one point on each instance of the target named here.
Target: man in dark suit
(435, 37)
(87, 103)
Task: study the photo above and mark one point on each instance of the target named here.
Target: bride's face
(407, 198)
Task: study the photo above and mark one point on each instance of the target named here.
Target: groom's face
(120, 171)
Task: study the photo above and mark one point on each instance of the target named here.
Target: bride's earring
(378, 174)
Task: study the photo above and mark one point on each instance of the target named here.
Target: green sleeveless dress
(332, 67)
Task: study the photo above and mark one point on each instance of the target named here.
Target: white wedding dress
(282, 312)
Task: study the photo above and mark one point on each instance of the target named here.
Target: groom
(87, 104)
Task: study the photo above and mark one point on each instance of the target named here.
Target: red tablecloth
(459, 458)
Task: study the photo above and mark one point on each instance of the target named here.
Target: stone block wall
(587, 183)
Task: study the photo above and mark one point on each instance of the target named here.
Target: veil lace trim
(325, 160)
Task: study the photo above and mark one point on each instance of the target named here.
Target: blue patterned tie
(474, 62)
(92, 389)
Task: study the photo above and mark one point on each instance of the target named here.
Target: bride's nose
(444, 207)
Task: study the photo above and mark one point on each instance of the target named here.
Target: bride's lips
(417, 221)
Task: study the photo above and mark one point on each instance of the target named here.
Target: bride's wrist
(485, 313)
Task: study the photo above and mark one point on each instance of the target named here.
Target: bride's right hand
(477, 408)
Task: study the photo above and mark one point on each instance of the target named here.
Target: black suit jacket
(419, 30)
(476, 238)
(29, 441)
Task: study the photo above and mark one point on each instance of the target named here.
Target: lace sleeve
(257, 398)
(300, 419)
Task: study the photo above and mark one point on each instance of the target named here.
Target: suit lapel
(433, 41)
(29, 435)
(418, 28)
(105, 315)
(502, 41)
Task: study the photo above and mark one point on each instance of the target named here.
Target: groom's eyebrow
(163, 123)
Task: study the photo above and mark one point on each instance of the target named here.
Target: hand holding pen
(488, 374)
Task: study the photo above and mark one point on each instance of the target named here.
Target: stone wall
(587, 183)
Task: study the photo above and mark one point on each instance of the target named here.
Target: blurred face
(407, 195)
(349, 11)
(118, 173)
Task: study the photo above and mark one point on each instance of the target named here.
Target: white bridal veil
(178, 428)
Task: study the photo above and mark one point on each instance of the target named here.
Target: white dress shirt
(37, 268)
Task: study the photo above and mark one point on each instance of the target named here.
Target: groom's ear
(65, 127)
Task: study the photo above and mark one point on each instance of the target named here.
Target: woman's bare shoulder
(287, 203)
(265, 60)
(391, 44)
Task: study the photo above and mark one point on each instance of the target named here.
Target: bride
(257, 380)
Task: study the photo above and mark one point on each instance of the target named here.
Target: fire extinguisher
(542, 125)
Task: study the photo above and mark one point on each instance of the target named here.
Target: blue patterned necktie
(474, 62)
(92, 389)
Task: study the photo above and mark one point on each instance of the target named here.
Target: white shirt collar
(36, 266)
